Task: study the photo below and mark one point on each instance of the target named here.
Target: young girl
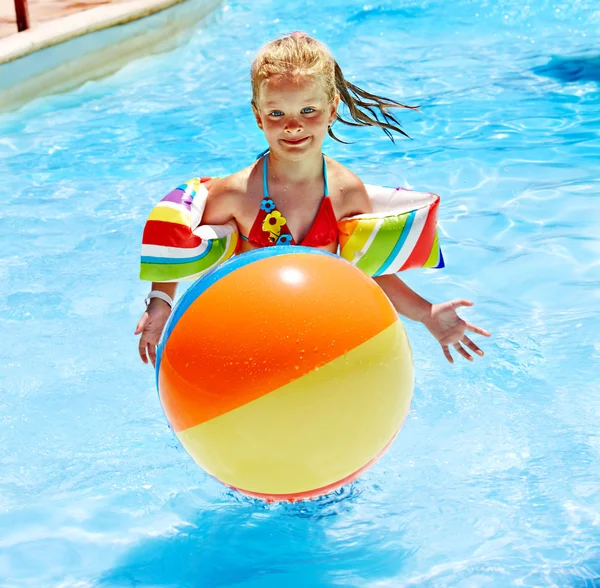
(296, 195)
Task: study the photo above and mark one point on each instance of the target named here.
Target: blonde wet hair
(299, 55)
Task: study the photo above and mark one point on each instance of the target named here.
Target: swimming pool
(494, 479)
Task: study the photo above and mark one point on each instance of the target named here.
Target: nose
(292, 125)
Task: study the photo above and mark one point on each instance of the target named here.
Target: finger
(142, 350)
(466, 341)
(447, 353)
(463, 351)
(152, 353)
(475, 329)
(462, 302)
(142, 323)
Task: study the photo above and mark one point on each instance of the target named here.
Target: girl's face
(294, 114)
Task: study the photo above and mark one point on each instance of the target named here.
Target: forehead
(291, 89)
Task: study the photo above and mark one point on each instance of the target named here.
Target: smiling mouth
(295, 141)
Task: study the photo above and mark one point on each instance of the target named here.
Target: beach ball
(285, 372)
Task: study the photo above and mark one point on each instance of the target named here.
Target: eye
(308, 110)
(275, 113)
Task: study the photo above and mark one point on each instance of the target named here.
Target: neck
(308, 168)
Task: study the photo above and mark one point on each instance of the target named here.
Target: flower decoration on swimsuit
(267, 205)
(284, 240)
(272, 225)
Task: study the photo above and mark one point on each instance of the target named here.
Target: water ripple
(493, 480)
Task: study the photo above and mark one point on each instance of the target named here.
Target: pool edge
(116, 37)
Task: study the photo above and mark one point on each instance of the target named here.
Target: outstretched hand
(151, 326)
(449, 329)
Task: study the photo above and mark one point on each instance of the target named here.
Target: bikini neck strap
(266, 173)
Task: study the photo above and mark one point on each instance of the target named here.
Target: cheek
(270, 124)
(320, 122)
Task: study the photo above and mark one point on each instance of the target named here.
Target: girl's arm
(405, 300)
(441, 320)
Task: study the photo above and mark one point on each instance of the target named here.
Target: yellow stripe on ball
(314, 431)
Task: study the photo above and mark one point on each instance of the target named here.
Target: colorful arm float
(175, 246)
(400, 234)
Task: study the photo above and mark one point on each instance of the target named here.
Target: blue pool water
(494, 480)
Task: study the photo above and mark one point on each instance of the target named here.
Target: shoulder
(230, 186)
(347, 191)
(225, 195)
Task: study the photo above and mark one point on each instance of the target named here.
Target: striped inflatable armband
(175, 245)
(400, 233)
